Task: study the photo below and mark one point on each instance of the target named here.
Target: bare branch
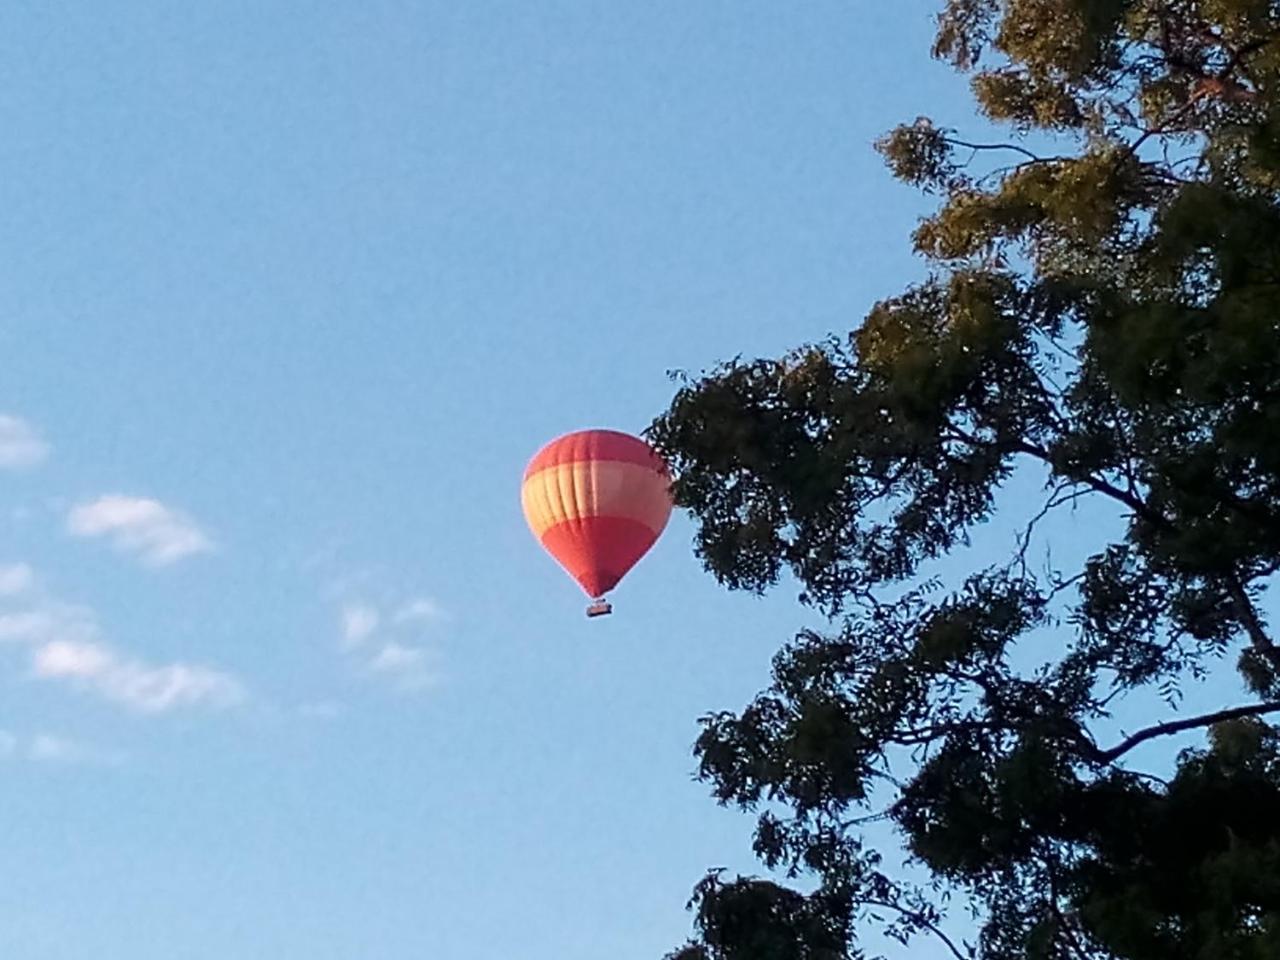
(1130, 500)
(1178, 726)
(996, 146)
(1067, 584)
(1244, 607)
(1135, 503)
(1058, 498)
(924, 923)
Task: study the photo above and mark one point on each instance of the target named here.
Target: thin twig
(1055, 500)
(996, 146)
(924, 923)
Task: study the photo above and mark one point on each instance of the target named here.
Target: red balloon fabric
(597, 500)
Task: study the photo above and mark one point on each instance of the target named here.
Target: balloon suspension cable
(600, 607)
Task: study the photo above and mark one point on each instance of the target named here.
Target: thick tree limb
(1178, 726)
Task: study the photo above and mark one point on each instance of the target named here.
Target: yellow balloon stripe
(599, 488)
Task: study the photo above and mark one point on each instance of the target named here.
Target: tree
(1105, 311)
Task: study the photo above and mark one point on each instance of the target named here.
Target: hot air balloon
(597, 500)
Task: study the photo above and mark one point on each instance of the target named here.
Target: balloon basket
(599, 608)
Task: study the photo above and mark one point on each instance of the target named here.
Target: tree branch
(1251, 621)
(923, 922)
(995, 146)
(1135, 503)
(1244, 607)
(1065, 925)
(919, 736)
(1178, 726)
(1056, 499)
(1220, 77)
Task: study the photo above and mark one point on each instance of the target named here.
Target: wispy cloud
(140, 686)
(21, 445)
(408, 667)
(64, 643)
(391, 639)
(359, 621)
(50, 748)
(422, 609)
(33, 626)
(15, 578)
(157, 534)
(53, 749)
(397, 658)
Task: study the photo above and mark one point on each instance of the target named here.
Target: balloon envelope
(597, 500)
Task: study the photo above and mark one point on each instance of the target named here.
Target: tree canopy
(1104, 310)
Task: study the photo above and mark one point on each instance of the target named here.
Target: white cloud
(419, 609)
(15, 578)
(359, 621)
(388, 639)
(158, 534)
(408, 666)
(71, 658)
(30, 626)
(65, 644)
(49, 748)
(42, 619)
(396, 658)
(132, 683)
(20, 444)
(45, 746)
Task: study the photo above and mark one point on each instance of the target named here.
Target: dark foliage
(1109, 315)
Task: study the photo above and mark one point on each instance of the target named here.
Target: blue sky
(291, 292)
